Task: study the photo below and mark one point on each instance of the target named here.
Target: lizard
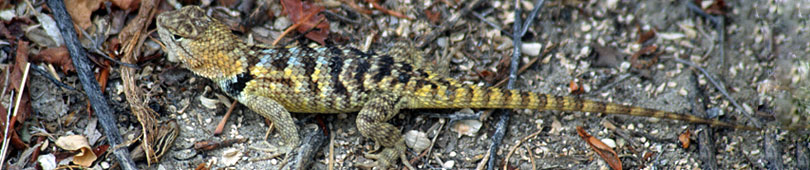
(274, 81)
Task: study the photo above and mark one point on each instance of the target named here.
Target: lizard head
(201, 43)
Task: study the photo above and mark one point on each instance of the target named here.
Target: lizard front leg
(280, 117)
(372, 123)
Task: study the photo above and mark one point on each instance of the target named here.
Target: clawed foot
(387, 156)
(285, 150)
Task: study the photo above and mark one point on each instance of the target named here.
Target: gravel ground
(762, 60)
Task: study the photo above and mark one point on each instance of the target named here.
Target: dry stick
(90, 85)
(705, 146)
(531, 157)
(295, 26)
(377, 6)
(331, 164)
(526, 67)
(513, 148)
(13, 114)
(314, 139)
(222, 122)
(772, 150)
(720, 88)
(518, 30)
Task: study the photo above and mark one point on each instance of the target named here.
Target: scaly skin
(275, 81)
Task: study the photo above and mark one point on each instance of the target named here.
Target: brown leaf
(126, 4)
(575, 88)
(684, 138)
(434, 16)
(16, 80)
(85, 157)
(648, 52)
(309, 19)
(56, 56)
(80, 11)
(645, 36)
(717, 8)
(202, 166)
(601, 149)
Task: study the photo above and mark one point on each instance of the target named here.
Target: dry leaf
(56, 56)
(601, 149)
(85, 157)
(466, 127)
(126, 4)
(231, 156)
(684, 138)
(717, 8)
(645, 36)
(47, 162)
(16, 80)
(575, 88)
(80, 11)
(434, 16)
(647, 52)
(308, 16)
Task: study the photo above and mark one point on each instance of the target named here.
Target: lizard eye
(176, 37)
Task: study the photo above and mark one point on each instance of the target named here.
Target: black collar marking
(235, 86)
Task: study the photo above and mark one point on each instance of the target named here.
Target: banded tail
(447, 93)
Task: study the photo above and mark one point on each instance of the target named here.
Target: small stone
(417, 140)
(531, 49)
(609, 142)
(683, 92)
(442, 42)
(105, 165)
(449, 164)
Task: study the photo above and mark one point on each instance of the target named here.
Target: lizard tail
(454, 95)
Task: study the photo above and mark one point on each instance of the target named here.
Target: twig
(295, 26)
(16, 110)
(224, 120)
(611, 84)
(331, 163)
(513, 148)
(531, 157)
(720, 88)
(772, 150)
(705, 146)
(377, 6)
(5, 134)
(51, 78)
(341, 17)
(531, 62)
(312, 142)
(89, 84)
(518, 30)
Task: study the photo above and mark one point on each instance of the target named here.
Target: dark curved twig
(518, 30)
(51, 78)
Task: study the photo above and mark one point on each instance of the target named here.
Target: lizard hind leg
(283, 122)
(372, 123)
